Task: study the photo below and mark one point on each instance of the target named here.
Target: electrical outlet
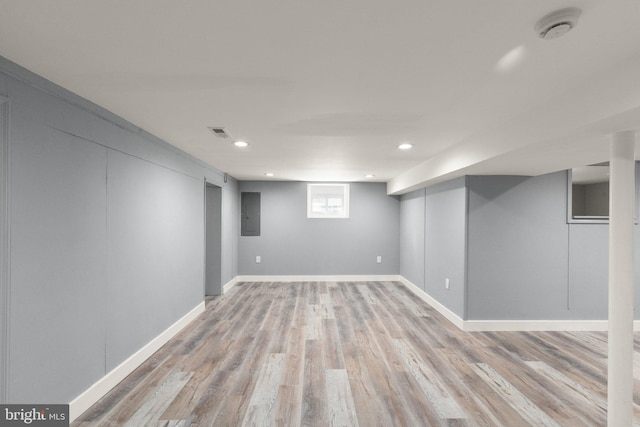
(446, 283)
(379, 259)
(258, 259)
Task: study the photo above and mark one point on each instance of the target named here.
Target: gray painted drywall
(636, 266)
(524, 261)
(155, 239)
(517, 247)
(412, 223)
(213, 253)
(58, 268)
(588, 271)
(107, 238)
(230, 230)
(445, 243)
(292, 244)
(4, 249)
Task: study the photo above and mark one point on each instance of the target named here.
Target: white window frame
(316, 192)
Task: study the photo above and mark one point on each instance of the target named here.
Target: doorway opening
(213, 240)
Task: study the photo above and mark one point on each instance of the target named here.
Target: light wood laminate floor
(357, 354)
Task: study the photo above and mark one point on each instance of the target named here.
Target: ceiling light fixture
(270, 174)
(240, 144)
(369, 175)
(558, 23)
(405, 146)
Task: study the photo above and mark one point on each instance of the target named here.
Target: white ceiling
(326, 90)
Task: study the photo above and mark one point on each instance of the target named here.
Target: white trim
(319, 278)
(230, 284)
(534, 325)
(450, 315)
(541, 325)
(110, 380)
(510, 325)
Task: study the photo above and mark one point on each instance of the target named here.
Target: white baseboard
(541, 325)
(110, 380)
(230, 284)
(534, 325)
(319, 278)
(450, 315)
(511, 325)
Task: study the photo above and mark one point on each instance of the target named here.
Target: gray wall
(518, 247)
(4, 248)
(589, 267)
(523, 260)
(230, 230)
(58, 305)
(526, 262)
(588, 290)
(433, 241)
(107, 238)
(412, 222)
(445, 243)
(155, 240)
(292, 244)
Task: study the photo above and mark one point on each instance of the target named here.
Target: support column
(621, 210)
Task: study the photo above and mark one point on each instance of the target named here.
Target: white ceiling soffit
(572, 129)
(326, 91)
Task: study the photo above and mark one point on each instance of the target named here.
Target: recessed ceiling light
(369, 175)
(240, 144)
(405, 146)
(268, 174)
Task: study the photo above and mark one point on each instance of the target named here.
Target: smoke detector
(558, 23)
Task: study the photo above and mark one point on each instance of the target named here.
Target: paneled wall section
(107, 238)
(519, 258)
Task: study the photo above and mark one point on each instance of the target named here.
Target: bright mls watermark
(34, 415)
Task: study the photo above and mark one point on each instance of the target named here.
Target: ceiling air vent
(219, 132)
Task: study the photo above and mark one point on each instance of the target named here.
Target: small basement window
(589, 193)
(327, 200)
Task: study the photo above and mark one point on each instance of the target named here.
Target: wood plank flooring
(358, 354)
